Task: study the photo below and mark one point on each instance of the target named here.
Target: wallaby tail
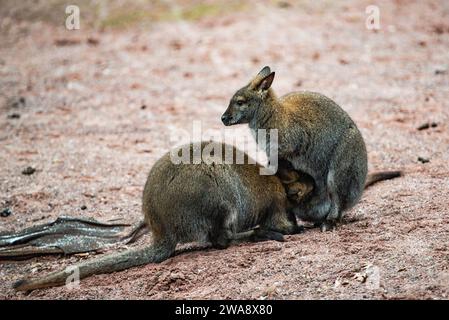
(140, 229)
(155, 253)
(380, 176)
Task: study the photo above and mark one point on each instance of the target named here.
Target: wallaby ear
(264, 72)
(263, 80)
(266, 82)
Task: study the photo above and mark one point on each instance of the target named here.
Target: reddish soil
(98, 115)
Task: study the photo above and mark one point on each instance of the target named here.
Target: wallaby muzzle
(227, 119)
(232, 116)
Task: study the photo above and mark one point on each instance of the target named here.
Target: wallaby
(218, 203)
(315, 135)
(181, 203)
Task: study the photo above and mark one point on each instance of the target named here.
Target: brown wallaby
(315, 135)
(218, 203)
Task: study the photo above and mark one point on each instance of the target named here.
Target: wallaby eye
(240, 102)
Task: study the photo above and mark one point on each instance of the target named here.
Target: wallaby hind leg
(221, 238)
(257, 235)
(224, 238)
(223, 232)
(346, 178)
(351, 168)
(319, 205)
(334, 214)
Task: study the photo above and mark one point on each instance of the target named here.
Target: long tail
(110, 263)
(380, 176)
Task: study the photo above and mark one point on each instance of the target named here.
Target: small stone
(89, 195)
(67, 42)
(427, 125)
(423, 160)
(14, 116)
(83, 207)
(92, 41)
(423, 126)
(360, 277)
(177, 45)
(5, 213)
(440, 28)
(255, 60)
(28, 171)
(440, 70)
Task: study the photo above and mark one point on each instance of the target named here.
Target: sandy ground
(96, 116)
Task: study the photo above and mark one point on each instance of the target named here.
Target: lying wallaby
(182, 203)
(316, 136)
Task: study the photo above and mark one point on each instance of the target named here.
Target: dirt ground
(99, 107)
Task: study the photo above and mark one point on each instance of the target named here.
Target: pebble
(441, 70)
(423, 160)
(28, 171)
(427, 125)
(5, 213)
(14, 116)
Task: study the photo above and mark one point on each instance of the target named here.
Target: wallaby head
(247, 100)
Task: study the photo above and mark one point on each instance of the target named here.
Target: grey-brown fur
(218, 203)
(315, 135)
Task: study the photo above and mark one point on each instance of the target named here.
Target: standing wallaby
(316, 136)
(182, 203)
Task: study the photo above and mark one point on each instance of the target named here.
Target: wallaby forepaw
(298, 230)
(266, 235)
(327, 226)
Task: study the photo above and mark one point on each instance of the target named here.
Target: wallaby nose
(225, 119)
